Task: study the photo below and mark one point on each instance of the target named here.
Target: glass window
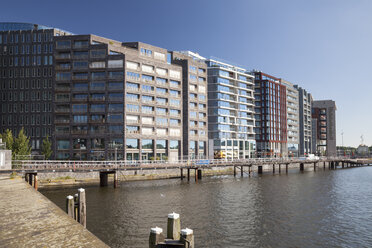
(147, 144)
(116, 107)
(174, 144)
(63, 144)
(161, 144)
(131, 143)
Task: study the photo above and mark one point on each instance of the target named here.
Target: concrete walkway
(29, 219)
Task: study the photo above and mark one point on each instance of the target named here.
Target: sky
(325, 46)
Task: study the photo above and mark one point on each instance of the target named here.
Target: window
(169, 58)
(159, 56)
(115, 107)
(131, 143)
(115, 63)
(148, 68)
(79, 108)
(147, 144)
(98, 64)
(175, 84)
(63, 144)
(115, 85)
(98, 53)
(175, 74)
(63, 44)
(146, 52)
(132, 65)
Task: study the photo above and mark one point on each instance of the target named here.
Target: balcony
(63, 56)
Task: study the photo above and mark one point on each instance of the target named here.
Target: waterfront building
(195, 109)
(271, 115)
(102, 99)
(305, 104)
(324, 112)
(27, 80)
(230, 110)
(292, 119)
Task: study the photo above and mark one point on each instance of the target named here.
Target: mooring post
(199, 174)
(324, 165)
(116, 181)
(181, 170)
(259, 170)
(70, 206)
(314, 166)
(82, 207)
(196, 174)
(241, 171)
(188, 174)
(301, 166)
(332, 165)
(35, 182)
(76, 207)
(249, 170)
(187, 238)
(156, 237)
(343, 164)
(286, 168)
(234, 171)
(174, 226)
(273, 168)
(279, 168)
(30, 178)
(26, 177)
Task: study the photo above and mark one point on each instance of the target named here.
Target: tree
(8, 139)
(46, 148)
(21, 146)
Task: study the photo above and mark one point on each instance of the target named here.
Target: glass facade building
(230, 110)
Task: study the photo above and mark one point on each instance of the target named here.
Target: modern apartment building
(195, 109)
(27, 79)
(325, 114)
(293, 128)
(271, 115)
(305, 104)
(231, 110)
(116, 99)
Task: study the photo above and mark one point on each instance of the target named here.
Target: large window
(117, 107)
(131, 143)
(147, 144)
(63, 144)
(174, 144)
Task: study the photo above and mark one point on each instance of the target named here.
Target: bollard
(181, 174)
(234, 171)
(187, 238)
(82, 207)
(76, 207)
(156, 236)
(314, 166)
(241, 171)
(199, 174)
(280, 168)
(174, 226)
(196, 175)
(188, 174)
(70, 206)
(286, 168)
(301, 167)
(273, 168)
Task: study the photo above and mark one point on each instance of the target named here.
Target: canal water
(310, 209)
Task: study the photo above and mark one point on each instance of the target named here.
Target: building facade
(325, 114)
(305, 104)
(293, 127)
(116, 100)
(231, 110)
(271, 115)
(195, 109)
(27, 80)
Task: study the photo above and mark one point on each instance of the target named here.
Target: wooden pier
(29, 219)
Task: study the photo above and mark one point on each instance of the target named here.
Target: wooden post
(174, 226)
(199, 174)
(273, 168)
(82, 207)
(156, 237)
(35, 182)
(279, 168)
(196, 174)
(103, 179)
(286, 168)
(187, 238)
(249, 169)
(241, 171)
(26, 177)
(259, 170)
(301, 166)
(70, 206)
(324, 165)
(343, 164)
(116, 181)
(181, 173)
(314, 166)
(188, 174)
(234, 171)
(30, 178)
(76, 207)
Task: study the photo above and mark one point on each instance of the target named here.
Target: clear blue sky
(325, 46)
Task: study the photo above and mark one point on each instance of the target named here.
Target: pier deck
(28, 219)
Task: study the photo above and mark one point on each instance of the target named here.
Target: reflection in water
(311, 209)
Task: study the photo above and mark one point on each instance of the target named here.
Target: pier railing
(122, 164)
